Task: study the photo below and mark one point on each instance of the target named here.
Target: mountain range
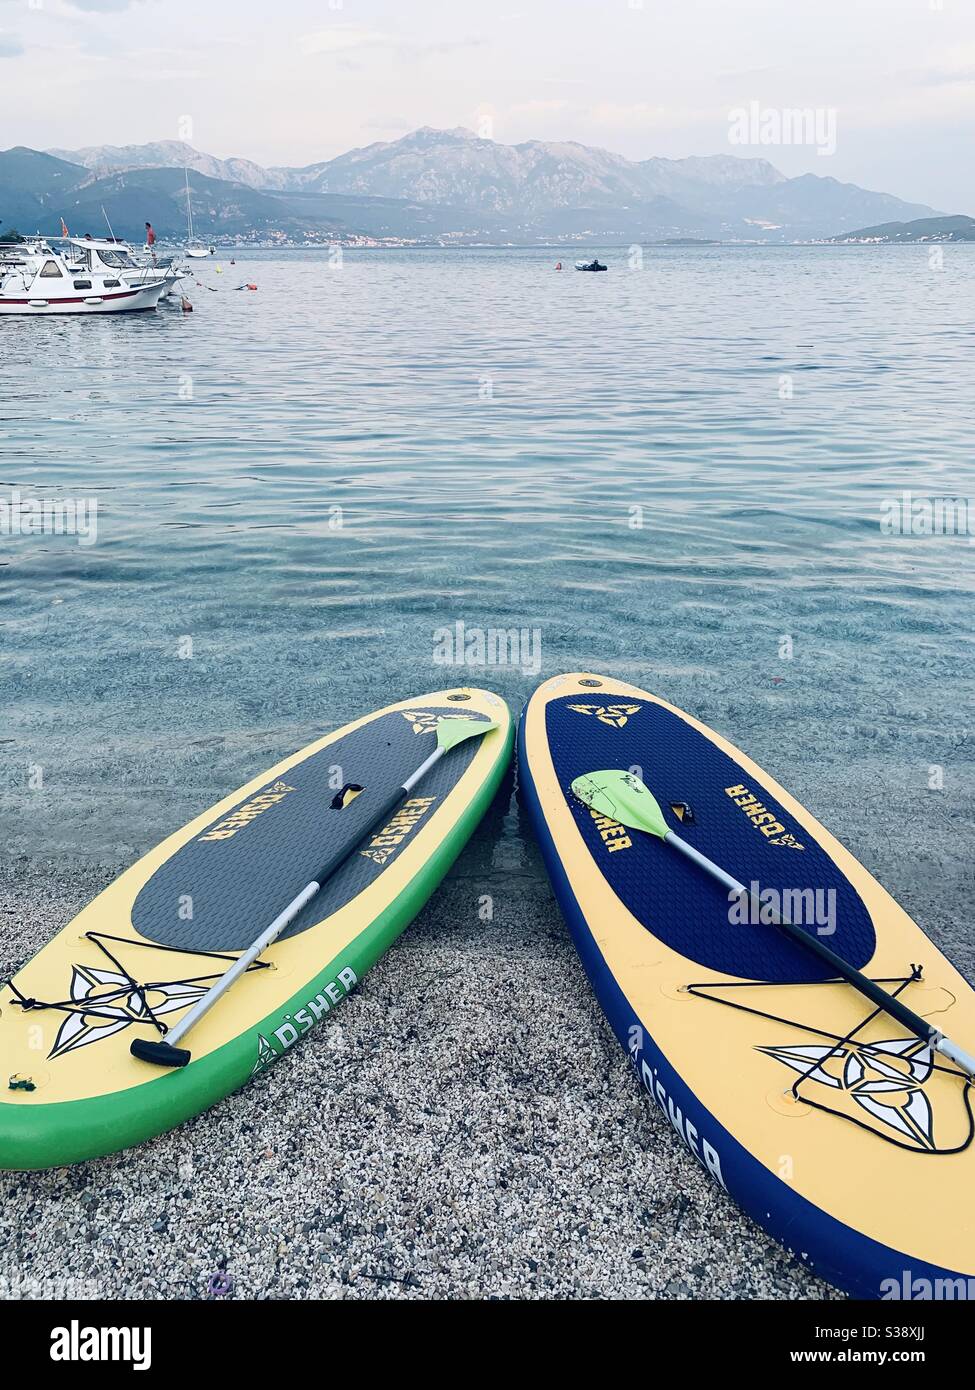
(436, 185)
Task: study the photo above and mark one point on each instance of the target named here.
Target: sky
(297, 81)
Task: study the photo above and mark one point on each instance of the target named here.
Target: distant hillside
(168, 154)
(28, 179)
(922, 229)
(533, 182)
(220, 208)
(447, 186)
(37, 190)
(544, 189)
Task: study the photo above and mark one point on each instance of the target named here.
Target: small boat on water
(591, 265)
(194, 248)
(97, 254)
(37, 279)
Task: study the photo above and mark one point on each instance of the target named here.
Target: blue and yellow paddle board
(151, 945)
(842, 1135)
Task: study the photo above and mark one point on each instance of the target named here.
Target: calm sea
(677, 472)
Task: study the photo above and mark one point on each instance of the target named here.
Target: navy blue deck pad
(675, 900)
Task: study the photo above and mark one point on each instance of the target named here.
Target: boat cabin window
(82, 284)
(51, 271)
(112, 284)
(118, 260)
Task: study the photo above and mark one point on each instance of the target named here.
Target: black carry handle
(162, 1053)
(342, 851)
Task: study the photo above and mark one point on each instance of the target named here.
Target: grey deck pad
(221, 889)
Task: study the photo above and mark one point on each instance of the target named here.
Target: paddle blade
(450, 732)
(622, 797)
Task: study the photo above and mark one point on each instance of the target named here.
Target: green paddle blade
(622, 797)
(450, 732)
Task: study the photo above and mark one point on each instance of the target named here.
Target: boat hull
(129, 300)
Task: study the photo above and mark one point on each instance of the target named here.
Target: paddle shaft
(270, 933)
(874, 992)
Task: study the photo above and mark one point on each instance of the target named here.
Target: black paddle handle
(342, 851)
(874, 992)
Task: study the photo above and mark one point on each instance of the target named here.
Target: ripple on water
(666, 471)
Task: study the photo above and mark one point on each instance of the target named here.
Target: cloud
(444, 46)
(643, 115)
(346, 38)
(949, 68)
(539, 107)
(170, 75)
(11, 45)
(388, 123)
(101, 6)
(944, 77)
(343, 39)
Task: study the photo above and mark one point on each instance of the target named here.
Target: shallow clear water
(606, 459)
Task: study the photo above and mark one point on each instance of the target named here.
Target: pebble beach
(465, 1126)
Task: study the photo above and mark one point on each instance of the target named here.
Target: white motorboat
(42, 280)
(98, 254)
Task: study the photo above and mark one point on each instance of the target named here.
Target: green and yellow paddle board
(148, 947)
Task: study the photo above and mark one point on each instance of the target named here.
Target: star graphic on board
(886, 1079)
(423, 722)
(265, 1054)
(118, 1005)
(616, 716)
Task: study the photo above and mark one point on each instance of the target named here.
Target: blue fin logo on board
(116, 1002)
(616, 716)
(383, 846)
(883, 1079)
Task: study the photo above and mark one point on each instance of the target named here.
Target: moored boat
(194, 248)
(112, 255)
(42, 280)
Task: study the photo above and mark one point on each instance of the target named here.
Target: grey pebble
(492, 1144)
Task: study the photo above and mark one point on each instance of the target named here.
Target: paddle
(450, 732)
(623, 797)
